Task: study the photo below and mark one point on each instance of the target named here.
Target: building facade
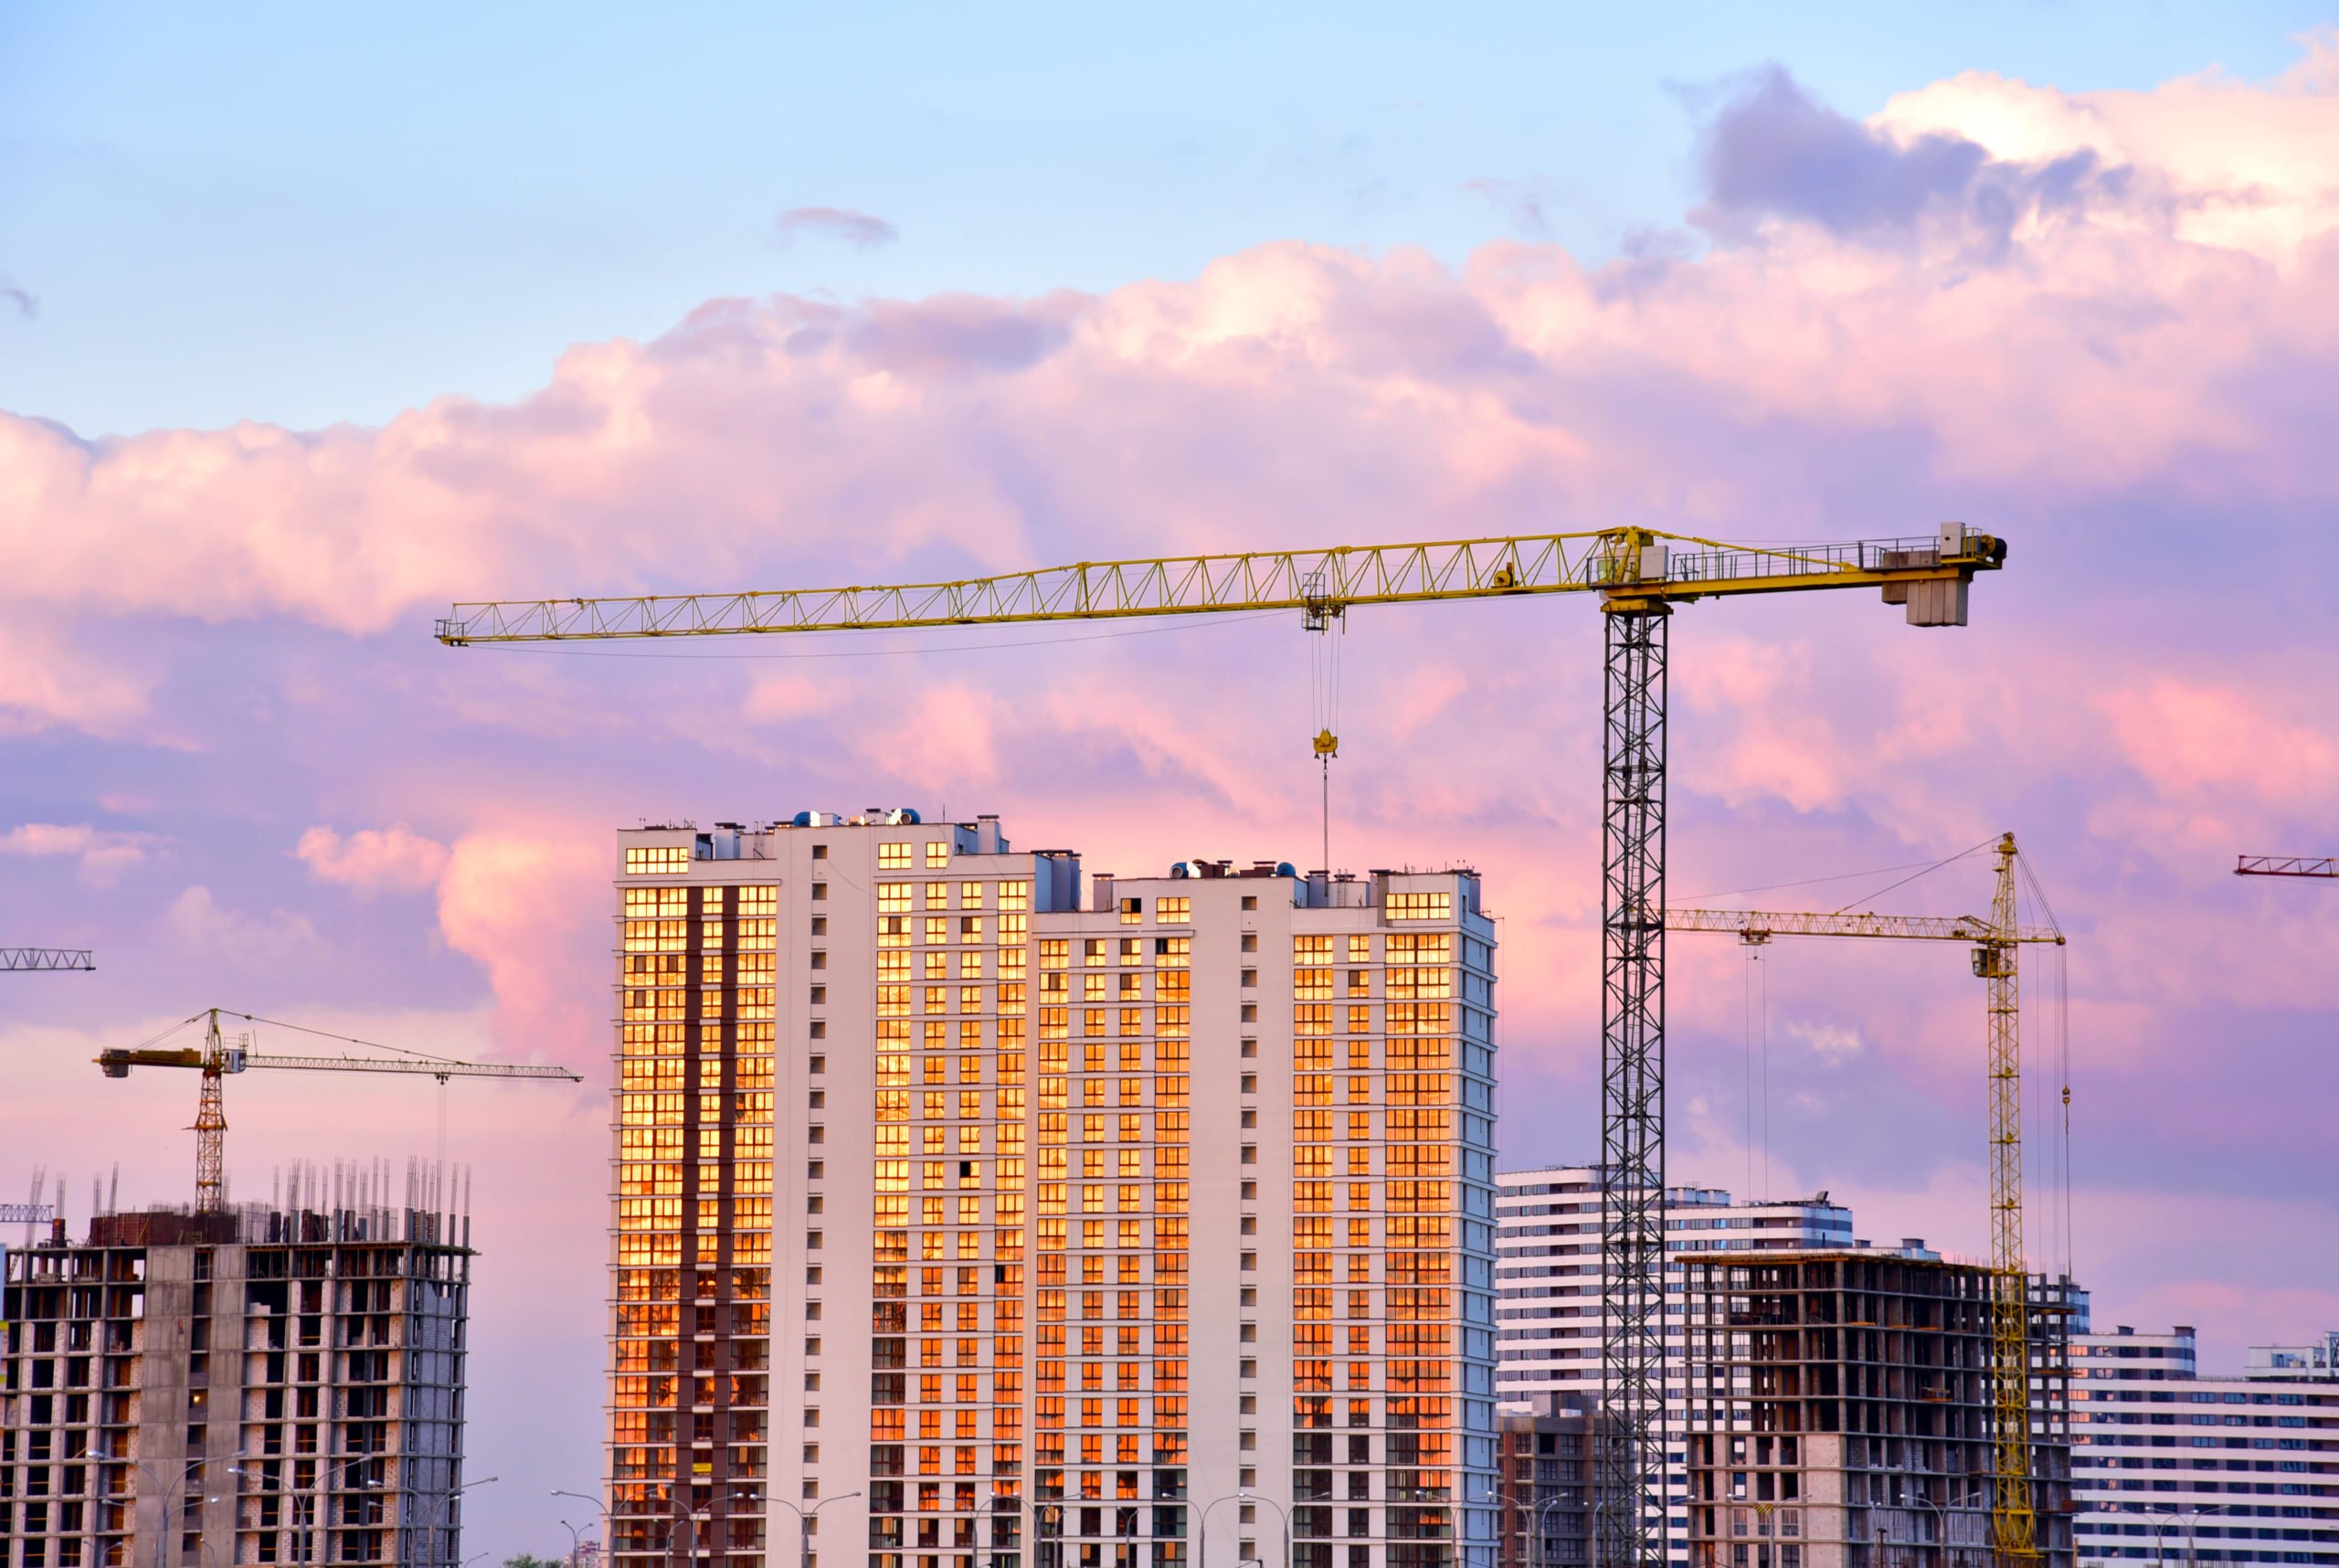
(1547, 1276)
(1014, 1215)
(268, 1384)
(2222, 1469)
(1548, 1452)
(1840, 1413)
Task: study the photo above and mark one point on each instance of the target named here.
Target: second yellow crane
(1996, 942)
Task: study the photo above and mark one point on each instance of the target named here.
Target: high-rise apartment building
(273, 1383)
(1014, 1221)
(2168, 1463)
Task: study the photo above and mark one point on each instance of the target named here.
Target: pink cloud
(374, 860)
(102, 854)
(200, 924)
(533, 910)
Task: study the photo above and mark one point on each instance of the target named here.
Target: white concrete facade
(1023, 1227)
(2169, 1464)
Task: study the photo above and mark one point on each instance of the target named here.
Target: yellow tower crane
(1638, 574)
(1996, 940)
(216, 1059)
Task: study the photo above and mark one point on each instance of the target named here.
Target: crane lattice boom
(46, 958)
(2287, 865)
(1635, 562)
(1639, 575)
(1761, 925)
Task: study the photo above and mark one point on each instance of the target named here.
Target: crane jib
(1628, 568)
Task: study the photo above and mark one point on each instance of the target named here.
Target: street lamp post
(608, 1525)
(1281, 1514)
(693, 1517)
(163, 1516)
(2169, 1516)
(308, 1526)
(438, 1520)
(2192, 1557)
(803, 1524)
(1941, 1530)
(1040, 1535)
(575, 1546)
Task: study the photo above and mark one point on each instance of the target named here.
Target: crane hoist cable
(1326, 622)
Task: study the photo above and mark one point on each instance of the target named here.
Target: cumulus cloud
(858, 229)
(1831, 1041)
(1773, 152)
(205, 927)
(532, 910)
(374, 860)
(49, 682)
(103, 853)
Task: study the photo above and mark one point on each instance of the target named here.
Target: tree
(526, 1560)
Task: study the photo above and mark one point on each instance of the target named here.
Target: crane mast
(1996, 943)
(1640, 575)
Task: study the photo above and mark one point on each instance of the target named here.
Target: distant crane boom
(46, 958)
(214, 1059)
(2287, 865)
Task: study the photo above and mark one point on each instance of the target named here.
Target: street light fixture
(804, 1526)
(576, 1546)
(439, 1519)
(608, 1525)
(693, 1517)
(1280, 1513)
(315, 1494)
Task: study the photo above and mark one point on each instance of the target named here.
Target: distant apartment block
(1840, 1413)
(268, 1385)
(1548, 1270)
(1026, 1220)
(1549, 1451)
(2168, 1463)
(1548, 1279)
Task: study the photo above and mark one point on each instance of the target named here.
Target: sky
(314, 323)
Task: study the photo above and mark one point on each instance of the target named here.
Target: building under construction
(1840, 1413)
(262, 1384)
